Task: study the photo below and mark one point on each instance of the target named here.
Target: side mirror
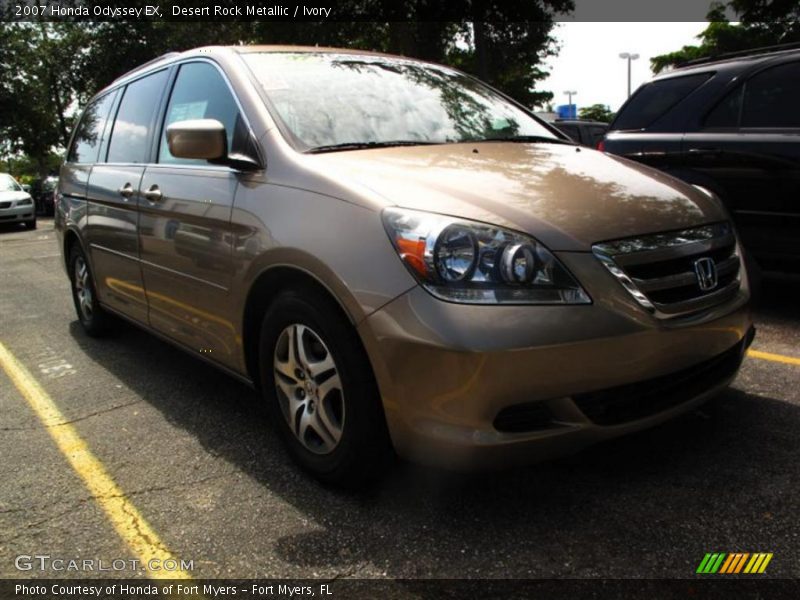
(26, 188)
(199, 138)
(205, 139)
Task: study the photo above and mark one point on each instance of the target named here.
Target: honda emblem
(706, 270)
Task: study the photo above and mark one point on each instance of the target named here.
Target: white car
(15, 203)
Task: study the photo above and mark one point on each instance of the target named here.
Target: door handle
(126, 191)
(153, 194)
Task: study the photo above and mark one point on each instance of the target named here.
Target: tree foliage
(36, 92)
(49, 70)
(762, 23)
(597, 112)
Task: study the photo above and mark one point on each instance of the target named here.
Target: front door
(185, 225)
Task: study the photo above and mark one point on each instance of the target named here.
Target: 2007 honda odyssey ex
(397, 256)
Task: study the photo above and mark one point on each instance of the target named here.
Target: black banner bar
(356, 10)
(704, 587)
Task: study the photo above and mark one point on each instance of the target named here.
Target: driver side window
(200, 92)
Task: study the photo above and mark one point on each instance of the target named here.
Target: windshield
(7, 184)
(328, 99)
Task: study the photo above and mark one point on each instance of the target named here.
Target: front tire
(320, 390)
(95, 321)
(31, 224)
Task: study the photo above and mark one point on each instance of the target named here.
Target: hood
(568, 197)
(13, 196)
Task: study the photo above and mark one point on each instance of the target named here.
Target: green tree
(507, 45)
(762, 23)
(36, 93)
(597, 112)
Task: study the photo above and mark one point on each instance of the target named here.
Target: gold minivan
(398, 256)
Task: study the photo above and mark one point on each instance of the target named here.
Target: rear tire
(95, 321)
(320, 390)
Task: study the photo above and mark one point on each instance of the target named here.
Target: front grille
(639, 400)
(677, 272)
(5, 205)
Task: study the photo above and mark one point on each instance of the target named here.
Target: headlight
(25, 202)
(476, 263)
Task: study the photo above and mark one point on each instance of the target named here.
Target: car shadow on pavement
(710, 480)
(12, 228)
(778, 298)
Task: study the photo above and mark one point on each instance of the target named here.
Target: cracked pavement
(197, 457)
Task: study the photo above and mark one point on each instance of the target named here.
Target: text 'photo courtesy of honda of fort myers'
(403, 260)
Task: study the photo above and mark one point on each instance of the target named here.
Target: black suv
(731, 126)
(584, 131)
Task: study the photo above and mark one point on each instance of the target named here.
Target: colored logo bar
(734, 563)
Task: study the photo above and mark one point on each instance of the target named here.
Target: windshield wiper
(527, 139)
(366, 145)
(518, 139)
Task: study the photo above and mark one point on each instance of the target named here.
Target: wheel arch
(269, 283)
(71, 238)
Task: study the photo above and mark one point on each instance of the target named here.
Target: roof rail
(145, 65)
(741, 54)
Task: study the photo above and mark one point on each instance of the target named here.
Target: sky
(589, 62)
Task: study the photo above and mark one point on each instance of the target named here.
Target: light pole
(630, 57)
(569, 102)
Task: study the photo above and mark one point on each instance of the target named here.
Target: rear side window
(89, 134)
(655, 99)
(772, 98)
(726, 113)
(200, 92)
(129, 139)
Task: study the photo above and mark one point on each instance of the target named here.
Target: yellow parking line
(126, 519)
(787, 360)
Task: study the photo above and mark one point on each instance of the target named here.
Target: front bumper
(17, 214)
(473, 387)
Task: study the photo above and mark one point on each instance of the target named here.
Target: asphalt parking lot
(188, 447)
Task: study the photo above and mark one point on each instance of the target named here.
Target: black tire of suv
(101, 322)
(364, 450)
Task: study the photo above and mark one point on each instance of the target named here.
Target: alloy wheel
(83, 288)
(309, 388)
